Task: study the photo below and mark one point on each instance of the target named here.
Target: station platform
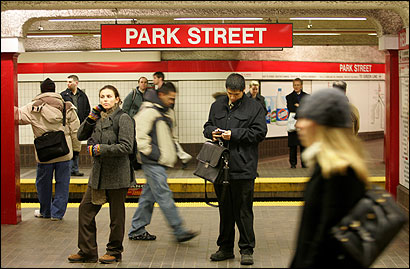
(41, 243)
(276, 179)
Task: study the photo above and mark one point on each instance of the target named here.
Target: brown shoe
(81, 259)
(110, 259)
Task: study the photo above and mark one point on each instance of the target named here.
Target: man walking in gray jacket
(156, 151)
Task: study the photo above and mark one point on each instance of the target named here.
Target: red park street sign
(197, 36)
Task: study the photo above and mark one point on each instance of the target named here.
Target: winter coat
(44, 114)
(154, 132)
(111, 169)
(291, 100)
(327, 201)
(83, 106)
(247, 123)
(133, 102)
(260, 99)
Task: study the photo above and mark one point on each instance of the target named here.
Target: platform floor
(41, 243)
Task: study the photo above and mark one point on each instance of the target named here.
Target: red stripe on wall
(199, 66)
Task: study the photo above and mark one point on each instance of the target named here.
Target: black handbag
(370, 226)
(51, 145)
(213, 166)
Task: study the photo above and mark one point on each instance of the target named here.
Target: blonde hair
(339, 150)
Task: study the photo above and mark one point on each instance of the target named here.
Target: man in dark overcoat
(293, 100)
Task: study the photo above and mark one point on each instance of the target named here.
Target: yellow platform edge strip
(181, 204)
(199, 180)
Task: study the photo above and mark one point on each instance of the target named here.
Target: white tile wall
(192, 105)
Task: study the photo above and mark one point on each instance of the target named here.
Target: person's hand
(94, 150)
(76, 154)
(217, 134)
(297, 105)
(95, 113)
(226, 135)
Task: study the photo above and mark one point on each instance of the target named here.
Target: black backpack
(133, 156)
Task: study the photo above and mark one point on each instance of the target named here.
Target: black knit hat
(328, 107)
(48, 86)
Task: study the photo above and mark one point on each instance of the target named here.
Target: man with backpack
(134, 99)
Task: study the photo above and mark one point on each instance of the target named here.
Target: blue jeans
(74, 164)
(44, 183)
(155, 190)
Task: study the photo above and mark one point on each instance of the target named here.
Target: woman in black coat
(337, 183)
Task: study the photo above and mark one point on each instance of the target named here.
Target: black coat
(83, 107)
(327, 201)
(248, 126)
(291, 100)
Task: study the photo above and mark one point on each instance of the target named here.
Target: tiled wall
(192, 105)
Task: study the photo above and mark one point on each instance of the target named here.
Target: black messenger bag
(370, 226)
(213, 166)
(51, 145)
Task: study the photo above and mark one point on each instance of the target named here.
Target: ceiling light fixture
(88, 20)
(38, 36)
(328, 19)
(218, 19)
(316, 34)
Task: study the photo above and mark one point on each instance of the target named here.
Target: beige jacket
(355, 119)
(44, 114)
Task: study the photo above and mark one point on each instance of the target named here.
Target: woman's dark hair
(114, 90)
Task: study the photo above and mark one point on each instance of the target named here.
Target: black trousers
(236, 207)
(293, 154)
(87, 228)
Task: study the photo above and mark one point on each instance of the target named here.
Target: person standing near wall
(110, 138)
(255, 94)
(156, 151)
(44, 114)
(80, 100)
(244, 125)
(292, 101)
(134, 99)
(158, 79)
(354, 112)
(338, 181)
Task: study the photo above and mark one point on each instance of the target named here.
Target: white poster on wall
(367, 96)
(404, 118)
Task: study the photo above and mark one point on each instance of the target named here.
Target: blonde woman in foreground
(338, 181)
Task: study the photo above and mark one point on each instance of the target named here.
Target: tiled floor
(41, 243)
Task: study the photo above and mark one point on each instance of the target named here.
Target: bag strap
(64, 114)
(134, 93)
(225, 181)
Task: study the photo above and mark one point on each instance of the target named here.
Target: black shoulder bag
(213, 166)
(370, 226)
(51, 145)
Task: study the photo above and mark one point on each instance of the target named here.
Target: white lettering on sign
(158, 33)
(195, 35)
(172, 35)
(144, 37)
(260, 30)
(245, 35)
(130, 33)
(232, 35)
(363, 68)
(221, 35)
(357, 68)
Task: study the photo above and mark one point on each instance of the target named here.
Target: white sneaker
(37, 214)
